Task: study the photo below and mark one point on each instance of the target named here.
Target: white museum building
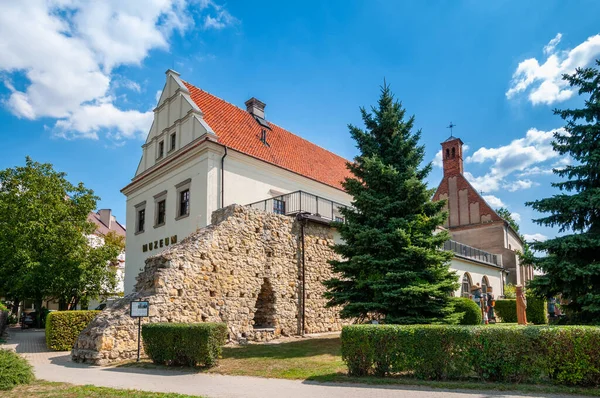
(203, 153)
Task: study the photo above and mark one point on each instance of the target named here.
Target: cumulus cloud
(519, 185)
(543, 82)
(68, 50)
(520, 156)
(516, 216)
(533, 237)
(493, 201)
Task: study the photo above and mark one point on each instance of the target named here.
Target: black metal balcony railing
(296, 202)
(473, 253)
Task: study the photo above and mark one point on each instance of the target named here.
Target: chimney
(255, 107)
(452, 156)
(106, 217)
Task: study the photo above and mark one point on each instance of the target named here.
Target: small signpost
(139, 310)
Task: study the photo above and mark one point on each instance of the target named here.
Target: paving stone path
(57, 366)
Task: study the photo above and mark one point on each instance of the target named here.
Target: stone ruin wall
(217, 275)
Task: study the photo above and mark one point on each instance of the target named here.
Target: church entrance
(264, 315)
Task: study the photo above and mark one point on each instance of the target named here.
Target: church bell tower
(452, 156)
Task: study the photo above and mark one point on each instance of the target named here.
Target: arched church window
(453, 152)
(465, 288)
(447, 153)
(484, 284)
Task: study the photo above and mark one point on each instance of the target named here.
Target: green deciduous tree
(392, 266)
(44, 250)
(572, 261)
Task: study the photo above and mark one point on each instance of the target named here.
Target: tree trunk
(38, 317)
(15, 307)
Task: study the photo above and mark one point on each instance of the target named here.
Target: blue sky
(78, 80)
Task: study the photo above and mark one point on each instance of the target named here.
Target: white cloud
(544, 82)
(519, 156)
(536, 170)
(516, 217)
(486, 183)
(533, 237)
(68, 50)
(493, 201)
(518, 185)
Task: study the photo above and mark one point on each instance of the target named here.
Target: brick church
(472, 221)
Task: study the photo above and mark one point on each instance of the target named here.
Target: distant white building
(203, 153)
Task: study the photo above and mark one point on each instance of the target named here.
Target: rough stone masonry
(245, 269)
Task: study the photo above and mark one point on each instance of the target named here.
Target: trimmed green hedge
(506, 310)
(188, 344)
(537, 310)
(14, 370)
(470, 310)
(564, 355)
(63, 328)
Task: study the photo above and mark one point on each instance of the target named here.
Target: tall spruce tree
(392, 266)
(571, 265)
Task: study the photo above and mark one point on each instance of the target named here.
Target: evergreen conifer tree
(392, 264)
(571, 264)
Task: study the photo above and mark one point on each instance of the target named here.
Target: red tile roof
(238, 130)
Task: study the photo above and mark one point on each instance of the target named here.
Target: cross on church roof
(451, 126)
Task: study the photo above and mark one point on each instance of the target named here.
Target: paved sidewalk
(57, 366)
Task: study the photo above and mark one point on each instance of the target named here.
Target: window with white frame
(160, 209)
(183, 199)
(161, 150)
(173, 142)
(140, 217)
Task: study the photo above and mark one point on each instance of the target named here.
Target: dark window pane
(161, 212)
(161, 149)
(184, 202)
(173, 140)
(141, 220)
(278, 206)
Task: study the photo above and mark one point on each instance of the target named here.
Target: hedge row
(188, 344)
(563, 355)
(63, 328)
(536, 310)
(506, 310)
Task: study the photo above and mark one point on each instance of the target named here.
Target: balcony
(472, 253)
(293, 203)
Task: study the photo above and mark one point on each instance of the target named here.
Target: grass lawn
(319, 359)
(63, 390)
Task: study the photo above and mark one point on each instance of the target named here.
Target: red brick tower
(452, 156)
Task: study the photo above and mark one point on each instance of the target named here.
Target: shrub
(3, 307)
(564, 355)
(471, 313)
(537, 309)
(14, 370)
(188, 344)
(510, 291)
(506, 310)
(63, 328)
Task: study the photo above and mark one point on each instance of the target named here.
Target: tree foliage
(44, 250)
(572, 263)
(392, 266)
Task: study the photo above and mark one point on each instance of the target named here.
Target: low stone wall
(245, 269)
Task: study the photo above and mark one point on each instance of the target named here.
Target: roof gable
(238, 130)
